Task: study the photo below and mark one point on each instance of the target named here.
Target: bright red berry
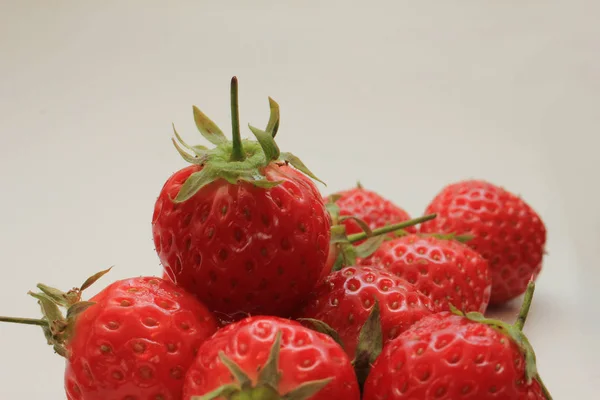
(505, 229)
(247, 234)
(368, 206)
(346, 297)
(134, 340)
(272, 357)
(446, 271)
(447, 356)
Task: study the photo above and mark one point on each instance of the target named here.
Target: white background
(405, 96)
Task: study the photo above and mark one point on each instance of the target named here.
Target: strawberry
(453, 356)
(446, 271)
(243, 228)
(505, 229)
(135, 339)
(270, 358)
(346, 298)
(368, 206)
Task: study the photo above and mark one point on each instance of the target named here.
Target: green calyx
(515, 333)
(236, 160)
(266, 387)
(58, 326)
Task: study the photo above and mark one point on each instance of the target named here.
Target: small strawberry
(133, 340)
(346, 298)
(446, 271)
(505, 229)
(453, 356)
(368, 206)
(241, 228)
(270, 358)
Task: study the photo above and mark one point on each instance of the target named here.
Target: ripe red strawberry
(368, 206)
(133, 340)
(241, 228)
(505, 229)
(448, 356)
(345, 298)
(270, 358)
(446, 271)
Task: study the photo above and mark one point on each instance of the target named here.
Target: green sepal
(186, 156)
(322, 327)
(370, 344)
(273, 124)
(239, 375)
(200, 151)
(299, 165)
(339, 262)
(362, 224)
(50, 310)
(269, 374)
(193, 184)
(265, 184)
(93, 279)
(450, 236)
(267, 143)
(369, 246)
(77, 308)
(57, 296)
(307, 390)
(338, 234)
(208, 128)
(222, 391)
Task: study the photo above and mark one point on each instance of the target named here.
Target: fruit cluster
(272, 291)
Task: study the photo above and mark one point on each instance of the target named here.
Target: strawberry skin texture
(446, 356)
(136, 342)
(305, 355)
(370, 207)
(446, 271)
(507, 232)
(242, 249)
(345, 298)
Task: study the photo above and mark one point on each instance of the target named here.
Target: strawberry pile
(272, 291)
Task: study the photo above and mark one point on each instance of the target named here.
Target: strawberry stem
(24, 321)
(390, 228)
(237, 152)
(524, 311)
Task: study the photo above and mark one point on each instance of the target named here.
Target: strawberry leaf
(225, 391)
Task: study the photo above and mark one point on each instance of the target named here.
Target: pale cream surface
(406, 96)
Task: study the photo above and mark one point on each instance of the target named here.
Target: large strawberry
(134, 340)
(453, 356)
(368, 206)
(243, 228)
(446, 271)
(505, 229)
(270, 358)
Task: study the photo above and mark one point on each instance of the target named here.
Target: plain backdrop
(405, 96)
